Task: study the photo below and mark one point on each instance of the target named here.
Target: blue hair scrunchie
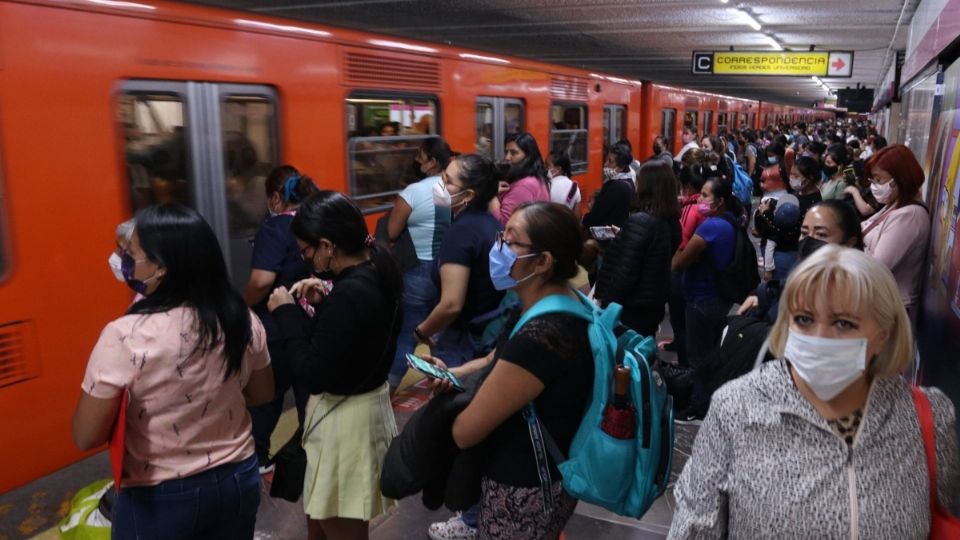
(289, 185)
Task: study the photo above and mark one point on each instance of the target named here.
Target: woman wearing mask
(611, 205)
(548, 362)
(835, 179)
(775, 170)
(636, 264)
(804, 182)
(417, 210)
(276, 261)
(343, 354)
(527, 178)
(825, 440)
(199, 359)
(466, 293)
(897, 235)
(563, 190)
(710, 250)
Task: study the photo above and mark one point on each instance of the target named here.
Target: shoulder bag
(943, 526)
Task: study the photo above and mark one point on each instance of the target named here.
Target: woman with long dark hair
(191, 358)
(527, 179)
(343, 354)
(636, 264)
(276, 261)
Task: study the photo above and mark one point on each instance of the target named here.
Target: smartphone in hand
(432, 371)
(603, 233)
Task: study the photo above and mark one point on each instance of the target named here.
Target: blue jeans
(219, 503)
(706, 318)
(784, 261)
(420, 296)
(264, 417)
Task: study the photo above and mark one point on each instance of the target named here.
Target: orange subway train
(107, 106)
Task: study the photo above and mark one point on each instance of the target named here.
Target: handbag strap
(393, 320)
(925, 416)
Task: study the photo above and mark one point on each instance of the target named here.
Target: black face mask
(808, 246)
(831, 170)
(415, 171)
(657, 149)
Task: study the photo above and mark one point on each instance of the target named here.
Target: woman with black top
(636, 265)
(276, 261)
(805, 181)
(343, 354)
(548, 362)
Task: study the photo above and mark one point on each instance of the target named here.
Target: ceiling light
(724, 1)
(773, 43)
(399, 45)
(485, 58)
(749, 20)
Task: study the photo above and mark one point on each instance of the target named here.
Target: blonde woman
(824, 443)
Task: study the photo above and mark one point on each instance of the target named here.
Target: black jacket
(636, 270)
(425, 458)
(612, 205)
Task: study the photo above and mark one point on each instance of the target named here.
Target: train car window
(722, 120)
(753, 120)
(384, 135)
(690, 118)
(614, 123)
(732, 124)
(513, 118)
(708, 122)
(155, 148)
(485, 135)
(568, 133)
(668, 124)
(250, 152)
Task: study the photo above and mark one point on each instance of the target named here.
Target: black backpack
(741, 277)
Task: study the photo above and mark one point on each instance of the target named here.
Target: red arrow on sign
(838, 65)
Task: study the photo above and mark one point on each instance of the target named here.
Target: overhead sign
(782, 64)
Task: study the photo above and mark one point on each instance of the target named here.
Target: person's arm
(398, 218)
(454, 279)
(604, 206)
(769, 265)
(93, 420)
(258, 286)
(702, 507)
(862, 206)
(899, 233)
(517, 194)
(617, 276)
(259, 388)
(751, 162)
(685, 257)
(948, 453)
(504, 392)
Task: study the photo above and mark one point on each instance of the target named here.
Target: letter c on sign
(703, 63)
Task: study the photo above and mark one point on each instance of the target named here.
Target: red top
(690, 218)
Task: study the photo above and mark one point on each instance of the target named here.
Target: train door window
(732, 124)
(722, 119)
(690, 118)
(248, 128)
(614, 123)
(497, 119)
(568, 133)
(384, 133)
(753, 120)
(668, 125)
(485, 122)
(708, 122)
(155, 141)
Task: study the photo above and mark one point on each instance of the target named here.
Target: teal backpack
(623, 476)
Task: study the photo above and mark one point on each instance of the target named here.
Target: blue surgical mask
(772, 160)
(502, 259)
(127, 266)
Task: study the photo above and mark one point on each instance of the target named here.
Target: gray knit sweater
(765, 464)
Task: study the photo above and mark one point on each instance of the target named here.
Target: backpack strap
(925, 415)
(556, 303)
(573, 191)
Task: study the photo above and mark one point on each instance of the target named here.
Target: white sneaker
(451, 529)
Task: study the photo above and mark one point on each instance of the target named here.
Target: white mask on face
(827, 365)
(115, 263)
(551, 174)
(883, 192)
(796, 183)
(442, 197)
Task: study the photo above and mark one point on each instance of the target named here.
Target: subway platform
(33, 511)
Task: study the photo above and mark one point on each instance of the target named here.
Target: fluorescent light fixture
(116, 4)
(282, 28)
(724, 1)
(400, 45)
(773, 43)
(484, 58)
(748, 19)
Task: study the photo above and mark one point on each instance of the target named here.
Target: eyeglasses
(500, 241)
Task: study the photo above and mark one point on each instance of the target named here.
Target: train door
(708, 122)
(205, 145)
(497, 118)
(614, 123)
(668, 127)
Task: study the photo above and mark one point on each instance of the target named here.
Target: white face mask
(827, 365)
(883, 192)
(442, 197)
(609, 172)
(796, 184)
(115, 262)
(551, 174)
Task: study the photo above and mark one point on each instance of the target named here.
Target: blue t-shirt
(275, 250)
(699, 281)
(427, 222)
(467, 243)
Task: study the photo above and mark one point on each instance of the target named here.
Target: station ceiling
(635, 39)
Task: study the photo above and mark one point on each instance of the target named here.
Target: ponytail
(388, 272)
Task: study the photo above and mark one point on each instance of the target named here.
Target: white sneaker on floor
(451, 529)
